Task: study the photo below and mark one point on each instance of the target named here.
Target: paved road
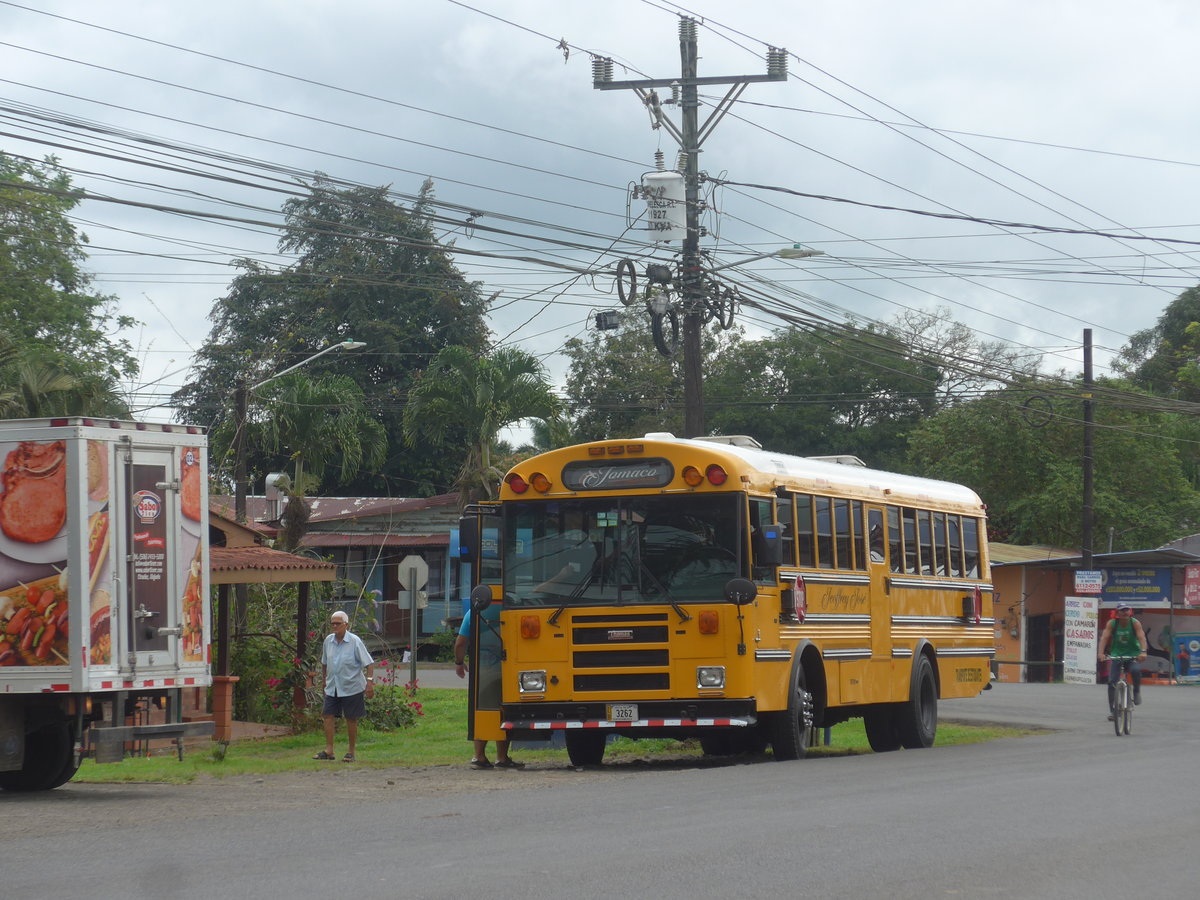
(1023, 818)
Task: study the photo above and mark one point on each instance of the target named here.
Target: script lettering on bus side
(842, 600)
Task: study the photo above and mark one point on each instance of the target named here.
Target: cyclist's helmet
(1121, 606)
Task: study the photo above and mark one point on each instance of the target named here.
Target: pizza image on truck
(103, 589)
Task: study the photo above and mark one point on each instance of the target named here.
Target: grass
(438, 739)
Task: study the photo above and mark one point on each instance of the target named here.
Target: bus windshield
(654, 549)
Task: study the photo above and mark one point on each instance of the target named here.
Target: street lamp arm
(785, 253)
(341, 345)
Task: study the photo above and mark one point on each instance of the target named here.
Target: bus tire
(49, 760)
(789, 728)
(916, 720)
(882, 733)
(586, 748)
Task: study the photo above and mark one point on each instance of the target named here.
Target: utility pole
(1088, 428)
(691, 137)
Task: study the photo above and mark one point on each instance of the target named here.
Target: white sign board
(413, 572)
(1080, 621)
(1089, 581)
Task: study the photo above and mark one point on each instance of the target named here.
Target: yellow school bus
(710, 588)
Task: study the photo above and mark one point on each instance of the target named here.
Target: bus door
(877, 569)
(479, 546)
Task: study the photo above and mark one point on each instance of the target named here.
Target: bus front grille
(633, 641)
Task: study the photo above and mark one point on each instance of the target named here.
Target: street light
(784, 253)
(239, 410)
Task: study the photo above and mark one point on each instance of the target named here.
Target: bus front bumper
(634, 718)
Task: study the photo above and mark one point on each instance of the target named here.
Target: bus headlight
(710, 676)
(532, 682)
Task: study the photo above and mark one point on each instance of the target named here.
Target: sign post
(413, 574)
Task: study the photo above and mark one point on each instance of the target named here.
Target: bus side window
(783, 515)
(762, 567)
(912, 556)
(841, 509)
(928, 563)
(971, 546)
(875, 535)
(895, 542)
(804, 529)
(939, 542)
(824, 533)
(956, 558)
(856, 522)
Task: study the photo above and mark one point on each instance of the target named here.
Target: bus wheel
(789, 728)
(49, 754)
(881, 730)
(916, 720)
(586, 748)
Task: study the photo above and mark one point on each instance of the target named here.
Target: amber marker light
(709, 622)
(540, 482)
(531, 627)
(692, 476)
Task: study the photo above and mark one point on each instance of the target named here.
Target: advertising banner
(1080, 623)
(1191, 586)
(1141, 588)
(1187, 658)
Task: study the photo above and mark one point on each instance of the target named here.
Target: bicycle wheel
(1118, 708)
(1127, 717)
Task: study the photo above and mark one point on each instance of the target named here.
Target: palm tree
(33, 387)
(319, 424)
(481, 394)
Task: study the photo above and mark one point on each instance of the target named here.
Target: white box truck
(104, 603)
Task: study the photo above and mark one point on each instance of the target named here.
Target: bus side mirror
(740, 591)
(468, 537)
(768, 548)
(481, 598)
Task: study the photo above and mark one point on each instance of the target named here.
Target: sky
(925, 148)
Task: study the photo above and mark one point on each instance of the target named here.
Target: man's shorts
(353, 706)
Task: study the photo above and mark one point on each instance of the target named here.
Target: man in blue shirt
(348, 671)
(479, 760)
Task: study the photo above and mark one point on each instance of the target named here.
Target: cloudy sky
(195, 122)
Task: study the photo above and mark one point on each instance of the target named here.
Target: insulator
(602, 69)
(660, 161)
(681, 161)
(687, 29)
(777, 61)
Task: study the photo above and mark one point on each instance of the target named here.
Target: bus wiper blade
(576, 593)
(679, 610)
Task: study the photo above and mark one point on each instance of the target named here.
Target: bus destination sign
(617, 475)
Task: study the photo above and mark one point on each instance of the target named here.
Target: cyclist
(1123, 636)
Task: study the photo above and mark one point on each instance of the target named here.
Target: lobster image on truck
(103, 590)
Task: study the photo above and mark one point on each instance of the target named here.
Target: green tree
(1025, 461)
(367, 269)
(46, 302)
(33, 386)
(323, 428)
(482, 394)
(1164, 358)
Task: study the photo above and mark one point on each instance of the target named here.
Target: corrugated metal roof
(334, 539)
(1002, 554)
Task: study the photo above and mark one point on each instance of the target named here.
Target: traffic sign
(413, 572)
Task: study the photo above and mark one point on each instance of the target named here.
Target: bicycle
(1122, 704)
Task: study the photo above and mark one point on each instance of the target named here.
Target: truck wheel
(881, 730)
(916, 720)
(788, 728)
(586, 748)
(49, 753)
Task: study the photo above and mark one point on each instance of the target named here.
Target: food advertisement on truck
(34, 600)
